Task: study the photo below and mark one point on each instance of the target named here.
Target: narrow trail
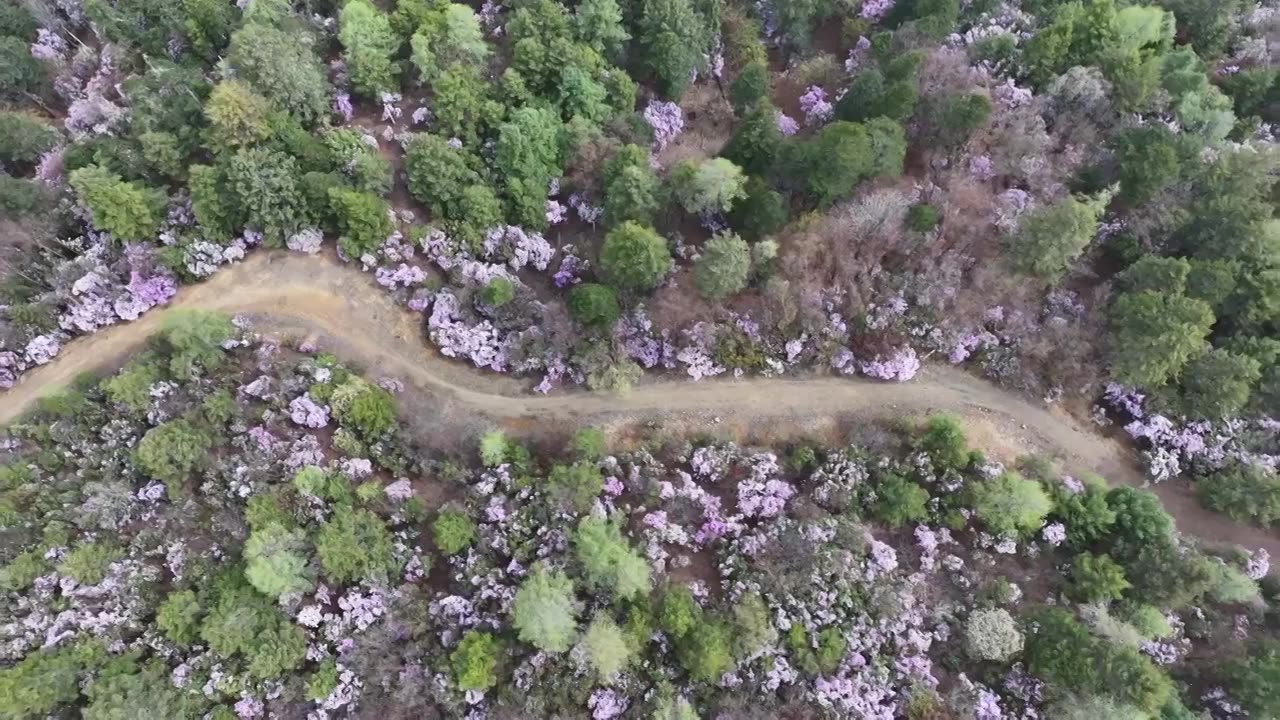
(360, 322)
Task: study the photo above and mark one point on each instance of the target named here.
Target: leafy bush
(1253, 680)
(608, 559)
(362, 220)
(24, 138)
(171, 451)
(276, 561)
(992, 635)
(453, 530)
(88, 563)
(594, 306)
(751, 85)
(1010, 504)
(1140, 519)
(1245, 491)
(900, 501)
(545, 612)
(368, 47)
(752, 627)
(178, 617)
(494, 448)
(475, 661)
(355, 545)
(131, 387)
(708, 187)
(606, 647)
(246, 623)
(195, 338)
(706, 651)
(722, 268)
(1049, 239)
(575, 486)
(497, 292)
(588, 444)
(1097, 578)
(943, 439)
(439, 173)
(1155, 335)
(127, 210)
(634, 258)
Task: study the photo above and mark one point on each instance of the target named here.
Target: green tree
(368, 47)
(672, 38)
(960, 115)
(1148, 160)
(43, 680)
(88, 563)
(761, 212)
(598, 24)
(276, 561)
(243, 622)
(453, 37)
(608, 559)
(540, 33)
(634, 259)
(606, 646)
(528, 156)
(129, 211)
(171, 451)
(362, 220)
(1217, 384)
(722, 268)
(545, 612)
(475, 661)
(1049, 239)
(1011, 504)
(707, 187)
(750, 87)
(1155, 334)
(237, 116)
(1097, 578)
(453, 530)
(1086, 515)
(632, 190)
(594, 306)
(282, 64)
(1253, 679)
(753, 629)
(439, 173)
(756, 141)
(355, 545)
(265, 183)
(1156, 274)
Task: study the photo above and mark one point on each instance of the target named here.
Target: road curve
(320, 296)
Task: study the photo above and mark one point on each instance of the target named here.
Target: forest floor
(447, 403)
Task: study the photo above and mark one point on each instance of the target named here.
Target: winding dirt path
(359, 321)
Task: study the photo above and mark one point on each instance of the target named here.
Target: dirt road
(358, 321)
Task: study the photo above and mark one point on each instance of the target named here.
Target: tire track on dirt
(346, 307)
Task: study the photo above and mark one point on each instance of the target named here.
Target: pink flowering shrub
(817, 109)
(667, 121)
